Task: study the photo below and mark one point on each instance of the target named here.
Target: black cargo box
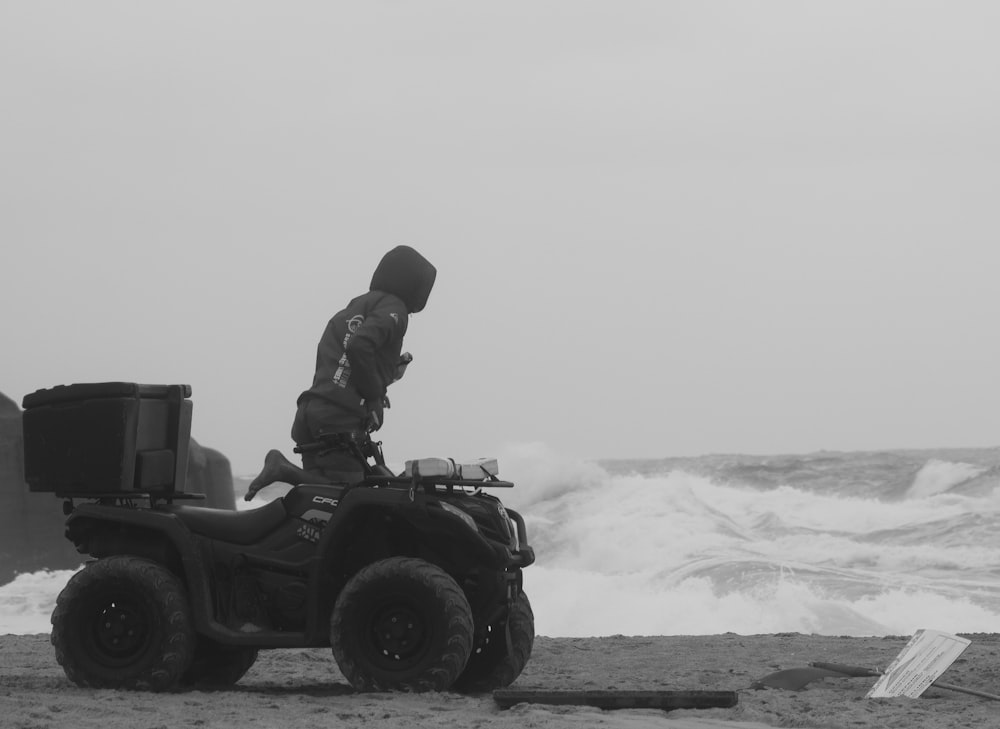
(107, 438)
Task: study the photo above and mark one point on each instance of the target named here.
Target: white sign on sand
(925, 657)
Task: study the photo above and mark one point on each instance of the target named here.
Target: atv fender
(102, 531)
(419, 512)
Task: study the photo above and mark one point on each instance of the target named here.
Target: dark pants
(320, 422)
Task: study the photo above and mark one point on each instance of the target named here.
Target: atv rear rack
(115, 496)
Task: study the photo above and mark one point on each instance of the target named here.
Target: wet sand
(304, 689)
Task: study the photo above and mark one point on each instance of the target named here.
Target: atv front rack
(430, 481)
(430, 484)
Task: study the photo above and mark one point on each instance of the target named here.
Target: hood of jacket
(405, 273)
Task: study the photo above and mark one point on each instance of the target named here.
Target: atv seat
(235, 527)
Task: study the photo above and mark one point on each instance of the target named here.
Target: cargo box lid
(97, 390)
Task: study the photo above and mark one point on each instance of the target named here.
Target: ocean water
(832, 543)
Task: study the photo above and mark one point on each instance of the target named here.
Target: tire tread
(168, 594)
(458, 646)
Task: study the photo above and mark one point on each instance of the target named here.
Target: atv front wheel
(495, 663)
(401, 624)
(123, 622)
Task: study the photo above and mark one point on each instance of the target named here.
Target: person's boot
(277, 468)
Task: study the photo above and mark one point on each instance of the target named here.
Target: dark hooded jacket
(359, 351)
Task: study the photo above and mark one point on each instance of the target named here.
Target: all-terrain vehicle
(414, 580)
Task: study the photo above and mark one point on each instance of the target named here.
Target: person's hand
(374, 418)
(404, 359)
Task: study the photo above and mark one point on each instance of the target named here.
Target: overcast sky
(661, 228)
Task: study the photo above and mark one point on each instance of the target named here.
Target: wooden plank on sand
(665, 700)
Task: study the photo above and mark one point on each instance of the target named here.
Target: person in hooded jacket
(359, 355)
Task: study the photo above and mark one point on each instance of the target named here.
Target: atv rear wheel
(123, 622)
(495, 663)
(401, 624)
(216, 665)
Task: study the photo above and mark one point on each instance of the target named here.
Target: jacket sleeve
(381, 334)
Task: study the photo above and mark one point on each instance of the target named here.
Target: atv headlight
(460, 514)
(515, 541)
(515, 537)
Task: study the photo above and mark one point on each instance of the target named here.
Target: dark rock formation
(32, 525)
(209, 473)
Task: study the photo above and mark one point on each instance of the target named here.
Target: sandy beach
(304, 689)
